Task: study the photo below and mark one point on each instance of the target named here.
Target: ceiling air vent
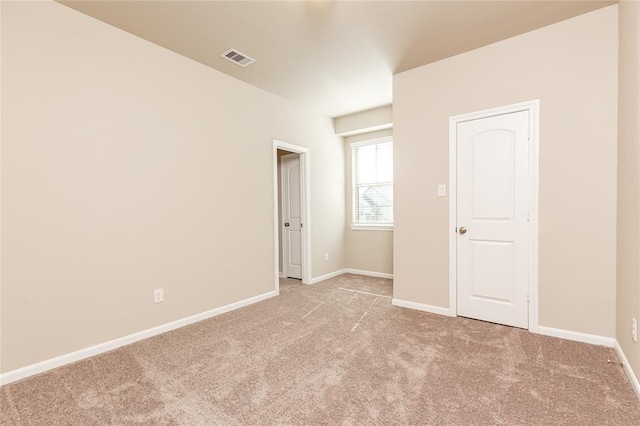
(238, 58)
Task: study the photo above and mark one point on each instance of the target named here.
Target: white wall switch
(442, 190)
(158, 295)
(326, 257)
(634, 330)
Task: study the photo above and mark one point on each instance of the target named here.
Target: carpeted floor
(287, 283)
(324, 354)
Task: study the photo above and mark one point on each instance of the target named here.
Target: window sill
(355, 227)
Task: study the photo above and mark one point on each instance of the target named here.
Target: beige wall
(628, 288)
(125, 168)
(367, 121)
(572, 68)
(366, 250)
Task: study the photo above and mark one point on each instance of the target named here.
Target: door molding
(305, 187)
(533, 108)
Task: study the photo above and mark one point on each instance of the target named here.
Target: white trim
(282, 275)
(357, 227)
(41, 367)
(368, 273)
(351, 271)
(534, 163)
(368, 142)
(422, 307)
(533, 107)
(627, 368)
(363, 130)
(576, 336)
(327, 276)
(546, 331)
(305, 170)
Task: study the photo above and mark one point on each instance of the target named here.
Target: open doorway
(291, 208)
(289, 219)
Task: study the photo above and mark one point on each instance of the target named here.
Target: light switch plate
(442, 190)
(158, 295)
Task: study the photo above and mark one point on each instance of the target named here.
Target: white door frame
(305, 201)
(533, 108)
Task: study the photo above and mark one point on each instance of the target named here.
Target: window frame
(355, 226)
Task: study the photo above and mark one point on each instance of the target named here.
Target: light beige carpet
(324, 355)
(287, 283)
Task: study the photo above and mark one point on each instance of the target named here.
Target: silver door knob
(462, 230)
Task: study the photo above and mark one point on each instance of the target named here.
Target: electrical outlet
(158, 295)
(634, 329)
(326, 257)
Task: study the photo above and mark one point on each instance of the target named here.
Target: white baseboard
(422, 307)
(351, 271)
(327, 276)
(547, 331)
(627, 368)
(282, 275)
(41, 367)
(576, 336)
(368, 273)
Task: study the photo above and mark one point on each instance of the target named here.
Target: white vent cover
(238, 58)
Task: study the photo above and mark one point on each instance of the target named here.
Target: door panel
(493, 207)
(291, 216)
(487, 281)
(295, 250)
(293, 179)
(492, 163)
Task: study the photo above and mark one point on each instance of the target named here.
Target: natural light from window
(372, 164)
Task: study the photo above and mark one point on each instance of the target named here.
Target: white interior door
(291, 216)
(493, 218)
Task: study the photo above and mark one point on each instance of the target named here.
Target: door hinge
(301, 225)
(528, 215)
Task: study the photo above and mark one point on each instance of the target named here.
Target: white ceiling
(336, 57)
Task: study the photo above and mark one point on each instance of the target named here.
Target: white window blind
(373, 183)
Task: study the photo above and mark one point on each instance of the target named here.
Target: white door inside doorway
(493, 218)
(291, 216)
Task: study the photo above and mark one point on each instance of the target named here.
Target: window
(372, 163)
